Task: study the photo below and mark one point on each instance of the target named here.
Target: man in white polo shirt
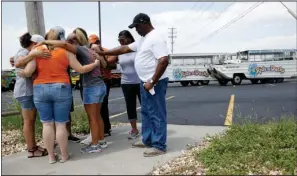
(150, 63)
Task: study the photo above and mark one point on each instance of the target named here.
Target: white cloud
(264, 17)
(268, 26)
(10, 43)
(271, 42)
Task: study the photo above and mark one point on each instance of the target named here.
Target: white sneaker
(87, 141)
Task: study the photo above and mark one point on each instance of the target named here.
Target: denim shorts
(26, 102)
(94, 94)
(53, 101)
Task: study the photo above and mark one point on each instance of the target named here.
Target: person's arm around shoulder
(30, 67)
(73, 63)
(60, 44)
(22, 59)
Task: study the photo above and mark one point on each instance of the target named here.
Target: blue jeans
(154, 116)
(94, 94)
(53, 101)
(26, 102)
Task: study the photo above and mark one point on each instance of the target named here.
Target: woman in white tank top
(130, 81)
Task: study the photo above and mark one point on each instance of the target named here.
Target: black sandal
(34, 149)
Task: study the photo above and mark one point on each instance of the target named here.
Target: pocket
(64, 91)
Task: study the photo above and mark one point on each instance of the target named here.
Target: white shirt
(150, 49)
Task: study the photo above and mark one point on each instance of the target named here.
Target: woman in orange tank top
(52, 92)
(94, 89)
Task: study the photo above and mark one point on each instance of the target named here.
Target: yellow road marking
(125, 112)
(229, 115)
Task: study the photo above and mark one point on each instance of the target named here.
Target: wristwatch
(152, 81)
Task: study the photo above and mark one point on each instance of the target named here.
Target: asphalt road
(208, 105)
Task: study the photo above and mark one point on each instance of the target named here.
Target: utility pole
(99, 18)
(172, 36)
(35, 19)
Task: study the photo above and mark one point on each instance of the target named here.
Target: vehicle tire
(270, 80)
(194, 83)
(254, 81)
(236, 80)
(205, 82)
(184, 83)
(263, 81)
(11, 87)
(3, 89)
(280, 80)
(223, 82)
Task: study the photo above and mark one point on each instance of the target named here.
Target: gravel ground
(186, 164)
(12, 143)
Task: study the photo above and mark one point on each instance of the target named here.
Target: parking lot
(208, 105)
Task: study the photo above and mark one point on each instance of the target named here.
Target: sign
(178, 74)
(255, 70)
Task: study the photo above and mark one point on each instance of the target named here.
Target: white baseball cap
(37, 38)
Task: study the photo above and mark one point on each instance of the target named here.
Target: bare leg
(93, 113)
(133, 125)
(29, 117)
(49, 138)
(62, 138)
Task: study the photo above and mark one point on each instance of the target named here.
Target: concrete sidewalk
(118, 159)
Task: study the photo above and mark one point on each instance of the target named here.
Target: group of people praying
(43, 85)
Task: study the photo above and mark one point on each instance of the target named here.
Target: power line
(172, 36)
(229, 23)
(188, 13)
(217, 17)
(202, 12)
(294, 15)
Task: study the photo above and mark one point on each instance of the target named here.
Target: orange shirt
(53, 70)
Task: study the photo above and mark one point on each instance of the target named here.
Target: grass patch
(253, 148)
(80, 123)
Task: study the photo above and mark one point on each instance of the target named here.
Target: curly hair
(25, 40)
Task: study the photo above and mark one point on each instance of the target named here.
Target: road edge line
(229, 115)
(119, 114)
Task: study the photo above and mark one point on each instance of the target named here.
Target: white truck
(264, 66)
(191, 68)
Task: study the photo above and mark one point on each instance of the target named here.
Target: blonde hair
(51, 35)
(81, 39)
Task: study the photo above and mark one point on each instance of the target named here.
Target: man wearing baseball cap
(150, 63)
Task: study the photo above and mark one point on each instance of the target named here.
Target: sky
(268, 26)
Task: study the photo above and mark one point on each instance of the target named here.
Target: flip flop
(63, 161)
(54, 161)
